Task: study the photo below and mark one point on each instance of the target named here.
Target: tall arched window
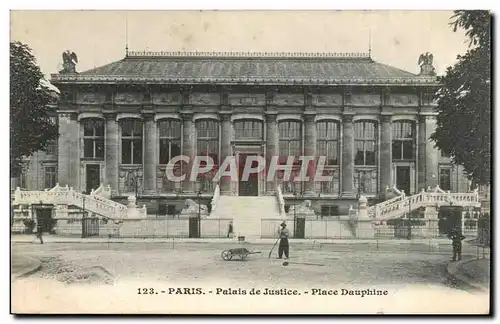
(365, 139)
(170, 139)
(290, 136)
(131, 141)
(328, 141)
(93, 138)
(290, 142)
(248, 129)
(365, 161)
(207, 139)
(403, 139)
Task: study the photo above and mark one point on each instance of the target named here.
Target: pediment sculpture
(425, 61)
(69, 62)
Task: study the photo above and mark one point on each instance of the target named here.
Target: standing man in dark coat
(456, 238)
(39, 230)
(283, 233)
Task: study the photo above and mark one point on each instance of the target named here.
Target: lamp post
(359, 184)
(294, 213)
(83, 215)
(136, 181)
(409, 218)
(199, 190)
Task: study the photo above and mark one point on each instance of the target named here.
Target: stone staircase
(402, 204)
(97, 202)
(247, 213)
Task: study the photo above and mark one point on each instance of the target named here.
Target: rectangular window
(131, 141)
(327, 142)
(207, 139)
(171, 210)
(93, 139)
(50, 176)
(328, 211)
(247, 129)
(365, 143)
(445, 178)
(289, 139)
(403, 140)
(170, 139)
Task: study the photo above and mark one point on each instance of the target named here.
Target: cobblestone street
(342, 264)
(102, 277)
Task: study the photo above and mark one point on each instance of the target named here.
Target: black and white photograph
(250, 162)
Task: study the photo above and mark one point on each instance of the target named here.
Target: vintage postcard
(250, 162)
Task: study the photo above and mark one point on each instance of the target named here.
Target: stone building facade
(121, 123)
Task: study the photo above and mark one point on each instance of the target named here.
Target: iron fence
(143, 228)
(343, 228)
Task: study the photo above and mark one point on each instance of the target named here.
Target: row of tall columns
(385, 154)
(429, 160)
(69, 150)
(225, 140)
(112, 130)
(188, 135)
(310, 136)
(149, 154)
(347, 157)
(272, 148)
(69, 162)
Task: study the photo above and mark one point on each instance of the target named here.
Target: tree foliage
(30, 126)
(464, 100)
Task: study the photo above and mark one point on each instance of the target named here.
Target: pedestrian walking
(230, 230)
(284, 247)
(456, 238)
(39, 231)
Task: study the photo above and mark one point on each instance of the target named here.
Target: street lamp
(199, 191)
(359, 184)
(83, 214)
(136, 180)
(409, 218)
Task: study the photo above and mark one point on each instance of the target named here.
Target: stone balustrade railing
(281, 201)
(103, 191)
(397, 206)
(68, 196)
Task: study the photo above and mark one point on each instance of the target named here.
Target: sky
(99, 37)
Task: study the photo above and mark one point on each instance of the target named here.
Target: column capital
(386, 118)
(225, 116)
(109, 115)
(148, 115)
(187, 116)
(309, 116)
(271, 116)
(347, 118)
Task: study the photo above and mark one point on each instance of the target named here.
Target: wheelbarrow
(241, 253)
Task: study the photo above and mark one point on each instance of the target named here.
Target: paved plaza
(382, 264)
(103, 277)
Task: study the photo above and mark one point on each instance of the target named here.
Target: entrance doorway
(299, 229)
(93, 177)
(403, 180)
(44, 219)
(194, 227)
(250, 186)
(449, 217)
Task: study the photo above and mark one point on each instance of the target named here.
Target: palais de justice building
(121, 123)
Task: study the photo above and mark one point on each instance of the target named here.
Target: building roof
(238, 68)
